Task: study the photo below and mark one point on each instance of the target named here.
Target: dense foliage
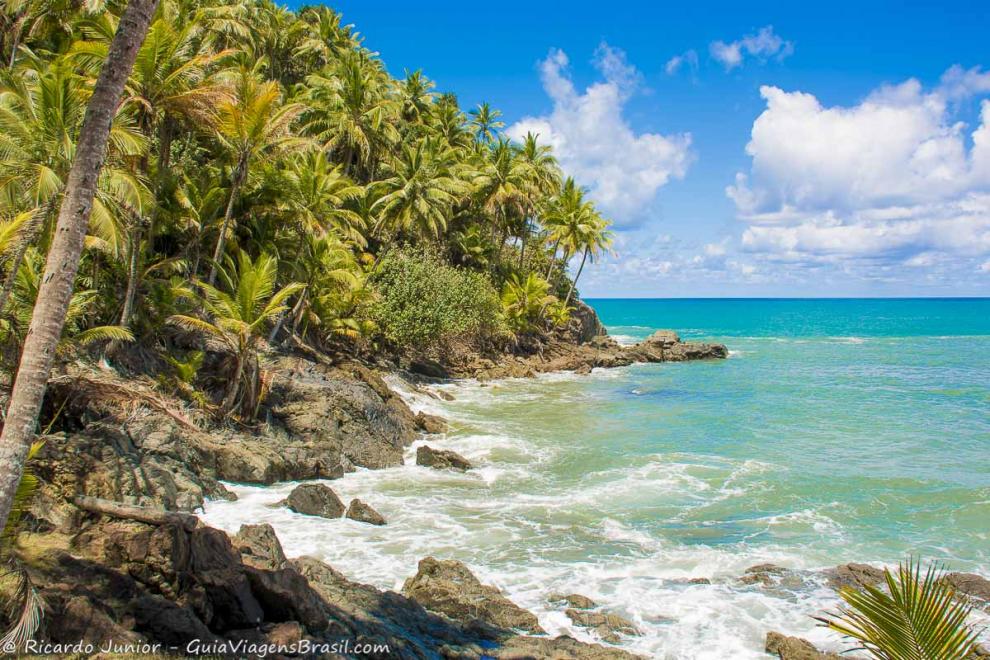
(256, 142)
(423, 301)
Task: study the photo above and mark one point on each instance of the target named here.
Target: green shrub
(423, 301)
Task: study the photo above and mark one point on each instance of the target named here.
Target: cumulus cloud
(687, 59)
(763, 45)
(594, 142)
(891, 180)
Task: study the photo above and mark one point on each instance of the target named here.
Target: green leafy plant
(916, 618)
(525, 302)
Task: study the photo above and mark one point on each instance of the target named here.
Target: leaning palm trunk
(235, 188)
(55, 292)
(132, 276)
(570, 291)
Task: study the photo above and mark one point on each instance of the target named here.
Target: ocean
(836, 431)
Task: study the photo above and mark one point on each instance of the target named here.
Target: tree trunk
(132, 274)
(570, 292)
(55, 292)
(553, 259)
(187, 521)
(235, 188)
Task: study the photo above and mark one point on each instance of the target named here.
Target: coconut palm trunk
(55, 292)
(235, 189)
(553, 259)
(570, 291)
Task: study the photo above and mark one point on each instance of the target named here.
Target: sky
(740, 149)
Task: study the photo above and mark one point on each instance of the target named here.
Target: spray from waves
(629, 534)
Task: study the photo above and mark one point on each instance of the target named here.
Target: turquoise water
(837, 430)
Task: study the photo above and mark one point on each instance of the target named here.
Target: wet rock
(315, 500)
(853, 575)
(765, 574)
(970, 585)
(448, 587)
(608, 626)
(428, 368)
(441, 459)
(362, 512)
(259, 546)
(430, 423)
(576, 601)
(699, 580)
(558, 648)
(795, 648)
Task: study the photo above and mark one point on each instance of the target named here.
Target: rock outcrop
(609, 627)
(441, 459)
(430, 423)
(448, 587)
(853, 575)
(314, 500)
(971, 586)
(576, 601)
(795, 648)
(259, 547)
(361, 512)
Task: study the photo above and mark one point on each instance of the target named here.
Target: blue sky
(793, 149)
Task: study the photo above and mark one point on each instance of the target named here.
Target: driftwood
(140, 513)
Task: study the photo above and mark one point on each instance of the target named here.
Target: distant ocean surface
(837, 431)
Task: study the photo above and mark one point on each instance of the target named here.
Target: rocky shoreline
(168, 580)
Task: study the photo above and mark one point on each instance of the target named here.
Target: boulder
(285, 595)
(576, 601)
(971, 585)
(259, 547)
(853, 575)
(448, 587)
(765, 574)
(428, 368)
(315, 500)
(608, 626)
(362, 512)
(430, 423)
(795, 648)
(441, 459)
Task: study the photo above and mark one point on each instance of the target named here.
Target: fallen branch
(140, 513)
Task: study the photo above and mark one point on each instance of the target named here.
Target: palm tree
(63, 257)
(416, 97)
(39, 118)
(254, 125)
(524, 301)
(418, 195)
(503, 183)
(543, 179)
(485, 123)
(915, 618)
(350, 115)
(237, 317)
(170, 82)
(595, 240)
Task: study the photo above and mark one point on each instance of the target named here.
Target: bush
(423, 301)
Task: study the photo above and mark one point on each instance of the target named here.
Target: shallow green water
(836, 431)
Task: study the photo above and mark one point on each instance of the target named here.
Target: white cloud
(985, 266)
(595, 143)
(763, 45)
(688, 59)
(892, 180)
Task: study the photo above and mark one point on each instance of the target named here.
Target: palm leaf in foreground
(919, 619)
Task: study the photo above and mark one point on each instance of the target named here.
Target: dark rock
(441, 459)
(971, 585)
(259, 546)
(448, 587)
(430, 423)
(763, 574)
(853, 575)
(574, 600)
(315, 500)
(795, 648)
(285, 595)
(699, 580)
(608, 626)
(362, 512)
(428, 368)
(287, 633)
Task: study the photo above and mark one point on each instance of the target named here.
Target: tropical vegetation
(269, 183)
